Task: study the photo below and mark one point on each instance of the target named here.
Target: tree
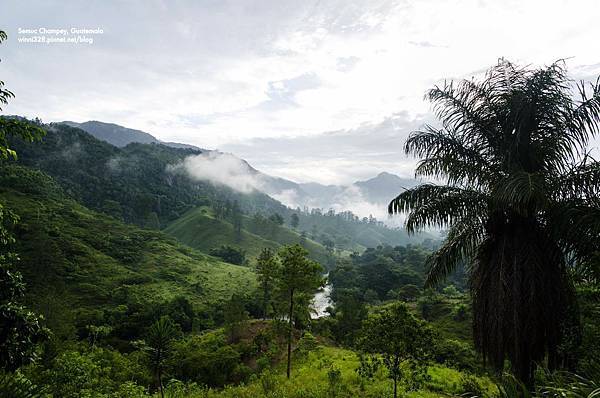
(230, 254)
(235, 315)
(521, 202)
(27, 131)
(297, 274)
(21, 330)
(350, 311)
(395, 334)
(294, 220)
(266, 269)
(276, 218)
(409, 292)
(160, 340)
(236, 220)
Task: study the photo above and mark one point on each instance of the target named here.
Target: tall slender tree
(160, 340)
(266, 272)
(297, 274)
(521, 201)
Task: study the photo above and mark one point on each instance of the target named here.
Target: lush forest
(122, 277)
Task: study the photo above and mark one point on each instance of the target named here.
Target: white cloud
(222, 169)
(218, 74)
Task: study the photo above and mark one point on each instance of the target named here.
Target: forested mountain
(376, 191)
(133, 183)
(140, 184)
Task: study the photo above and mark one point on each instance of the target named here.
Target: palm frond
(445, 155)
(430, 205)
(522, 192)
(460, 246)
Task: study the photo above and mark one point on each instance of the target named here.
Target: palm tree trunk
(160, 385)
(395, 387)
(290, 327)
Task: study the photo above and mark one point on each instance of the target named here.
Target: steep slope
(136, 183)
(90, 260)
(200, 229)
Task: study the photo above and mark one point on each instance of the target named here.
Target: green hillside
(201, 230)
(90, 260)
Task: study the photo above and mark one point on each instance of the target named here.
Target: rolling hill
(201, 230)
(93, 262)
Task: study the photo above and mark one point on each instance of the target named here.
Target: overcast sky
(309, 90)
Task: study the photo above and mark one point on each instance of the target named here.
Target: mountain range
(364, 198)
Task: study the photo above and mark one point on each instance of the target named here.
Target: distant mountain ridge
(120, 136)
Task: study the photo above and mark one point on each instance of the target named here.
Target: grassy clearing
(199, 229)
(310, 379)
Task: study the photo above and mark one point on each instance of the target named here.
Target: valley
(254, 200)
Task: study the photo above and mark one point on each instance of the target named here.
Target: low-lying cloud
(222, 168)
(228, 170)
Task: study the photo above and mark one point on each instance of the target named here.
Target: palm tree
(521, 203)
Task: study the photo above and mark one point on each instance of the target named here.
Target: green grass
(309, 379)
(199, 229)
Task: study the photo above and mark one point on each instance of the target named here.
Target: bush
(456, 354)
(460, 312)
(206, 360)
(306, 344)
(409, 292)
(95, 373)
(230, 254)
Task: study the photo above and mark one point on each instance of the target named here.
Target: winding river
(321, 301)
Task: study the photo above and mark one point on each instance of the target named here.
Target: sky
(308, 90)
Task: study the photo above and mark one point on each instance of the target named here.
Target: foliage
(14, 127)
(205, 359)
(21, 330)
(235, 316)
(521, 202)
(160, 343)
(306, 344)
(350, 311)
(229, 254)
(294, 220)
(199, 229)
(296, 275)
(15, 385)
(89, 269)
(97, 373)
(266, 269)
(402, 341)
(383, 269)
(276, 218)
